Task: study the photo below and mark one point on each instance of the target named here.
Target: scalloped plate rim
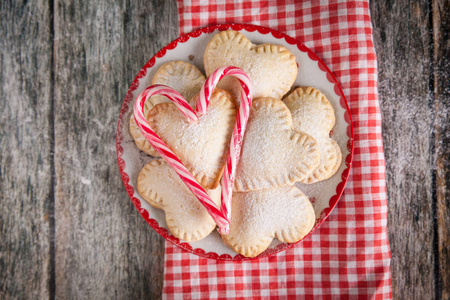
(183, 39)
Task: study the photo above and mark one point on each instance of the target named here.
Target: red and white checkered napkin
(348, 255)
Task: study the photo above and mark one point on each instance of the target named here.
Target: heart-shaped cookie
(179, 75)
(257, 217)
(220, 215)
(273, 153)
(200, 146)
(272, 68)
(313, 114)
(162, 188)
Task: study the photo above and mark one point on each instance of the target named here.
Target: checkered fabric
(348, 255)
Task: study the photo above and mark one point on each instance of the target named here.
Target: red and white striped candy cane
(239, 127)
(220, 215)
(220, 218)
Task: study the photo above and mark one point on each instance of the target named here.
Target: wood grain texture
(65, 69)
(441, 40)
(403, 41)
(104, 250)
(25, 149)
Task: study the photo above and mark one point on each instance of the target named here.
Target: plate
(190, 47)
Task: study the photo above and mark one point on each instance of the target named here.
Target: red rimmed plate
(190, 47)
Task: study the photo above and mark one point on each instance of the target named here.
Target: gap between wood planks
(431, 104)
(440, 30)
(51, 209)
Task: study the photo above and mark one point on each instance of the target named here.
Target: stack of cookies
(287, 140)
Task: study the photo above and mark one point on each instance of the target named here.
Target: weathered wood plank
(441, 31)
(402, 41)
(25, 149)
(104, 248)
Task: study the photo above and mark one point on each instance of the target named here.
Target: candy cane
(239, 127)
(221, 220)
(220, 215)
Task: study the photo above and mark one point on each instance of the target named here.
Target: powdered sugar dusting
(262, 139)
(309, 119)
(271, 68)
(181, 206)
(261, 215)
(182, 76)
(201, 145)
(313, 114)
(268, 147)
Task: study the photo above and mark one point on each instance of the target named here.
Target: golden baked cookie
(201, 146)
(162, 188)
(185, 78)
(257, 217)
(273, 153)
(313, 114)
(271, 68)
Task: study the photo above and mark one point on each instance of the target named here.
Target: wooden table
(67, 226)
